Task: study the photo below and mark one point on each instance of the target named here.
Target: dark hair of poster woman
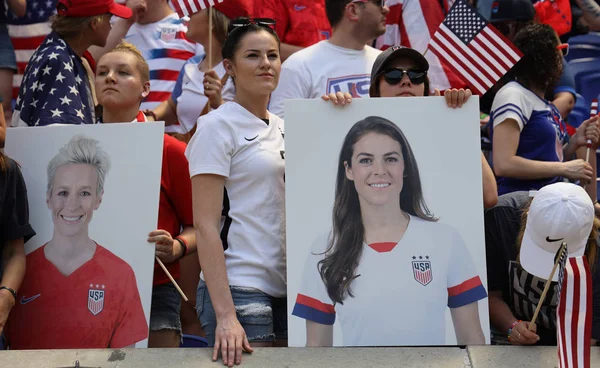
(387, 268)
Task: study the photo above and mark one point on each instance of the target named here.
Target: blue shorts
(7, 52)
(263, 317)
(165, 310)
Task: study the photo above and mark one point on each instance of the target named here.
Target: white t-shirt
(321, 69)
(188, 93)
(232, 142)
(166, 49)
(401, 295)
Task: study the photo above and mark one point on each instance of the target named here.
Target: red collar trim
(383, 247)
(141, 118)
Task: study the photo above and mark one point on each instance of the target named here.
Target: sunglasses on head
(394, 76)
(379, 3)
(245, 22)
(564, 48)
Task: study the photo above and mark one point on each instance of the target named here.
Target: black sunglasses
(245, 22)
(394, 76)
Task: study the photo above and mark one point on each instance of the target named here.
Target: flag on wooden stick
(574, 315)
(473, 48)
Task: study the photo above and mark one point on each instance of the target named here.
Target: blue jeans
(263, 317)
(8, 59)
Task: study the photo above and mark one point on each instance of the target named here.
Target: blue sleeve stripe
(511, 107)
(312, 314)
(499, 113)
(468, 297)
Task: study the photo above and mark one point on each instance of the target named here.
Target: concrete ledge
(262, 357)
(521, 356)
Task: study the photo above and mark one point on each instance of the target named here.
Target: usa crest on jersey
(422, 270)
(167, 34)
(95, 301)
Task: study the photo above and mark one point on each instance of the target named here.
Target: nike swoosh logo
(25, 300)
(250, 140)
(552, 240)
(299, 7)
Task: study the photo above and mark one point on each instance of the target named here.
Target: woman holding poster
(387, 268)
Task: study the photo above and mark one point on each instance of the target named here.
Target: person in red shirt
(300, 23)
(122, 81)
(76, 293)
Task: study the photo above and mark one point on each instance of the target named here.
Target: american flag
(473, 48)
(54, 89)
(188, 7)
(574, 315)
(27, 33)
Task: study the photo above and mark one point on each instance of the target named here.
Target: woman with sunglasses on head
(237, 164)
(385, 238)
(402, 72)
(530, 145)
(200, 86)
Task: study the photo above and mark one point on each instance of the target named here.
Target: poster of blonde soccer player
(93, 194)
(384, 218)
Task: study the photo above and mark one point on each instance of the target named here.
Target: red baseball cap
(90, 8)
(234, 8)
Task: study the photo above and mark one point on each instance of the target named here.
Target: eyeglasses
(245, 22)
(564, 48)
(394, 76)
(379, 3)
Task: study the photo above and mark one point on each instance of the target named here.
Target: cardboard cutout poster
(384, 209)
(93, 196)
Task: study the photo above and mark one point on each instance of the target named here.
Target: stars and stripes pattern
(574, 315)
(27, 33)
(189, 7)
(473, 48)
(54, 89)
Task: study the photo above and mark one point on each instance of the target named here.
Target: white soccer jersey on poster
(188, 93)
(322, 69)
(401, 295)
(166, 49)
(233, 143)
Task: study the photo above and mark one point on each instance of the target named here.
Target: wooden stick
(210, 30)
(171, 278)
(593, 112)
(548, 283)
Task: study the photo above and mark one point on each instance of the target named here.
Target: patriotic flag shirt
(543, 132)
(166, 50)
(96, 306)
(55, 87)
(404, 288)
(321, 69)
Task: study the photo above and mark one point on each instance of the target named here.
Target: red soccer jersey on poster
(97, 306)
(175, 205)
(299, 22)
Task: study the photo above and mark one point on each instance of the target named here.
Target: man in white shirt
(341, 64)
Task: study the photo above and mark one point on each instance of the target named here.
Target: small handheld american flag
(189, 7)
(473, 48)
(574, 314)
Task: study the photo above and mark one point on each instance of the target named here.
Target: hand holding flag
(593, 112)
(473, 48)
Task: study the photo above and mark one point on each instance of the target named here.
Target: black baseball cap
(518, 10)
(389, 55)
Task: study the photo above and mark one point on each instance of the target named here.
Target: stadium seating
(582, 67)
(589, 86)
(592, 38)
(581, 51)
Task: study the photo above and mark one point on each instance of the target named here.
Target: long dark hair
(338, 268)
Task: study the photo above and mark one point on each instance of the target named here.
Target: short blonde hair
(142, 65)
(80, 150)
(220, 26)
(72, 26)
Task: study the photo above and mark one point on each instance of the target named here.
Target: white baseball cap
(560, 212)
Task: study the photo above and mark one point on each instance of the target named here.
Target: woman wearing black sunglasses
(402, 72)
(531, 147)
(237, 167)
